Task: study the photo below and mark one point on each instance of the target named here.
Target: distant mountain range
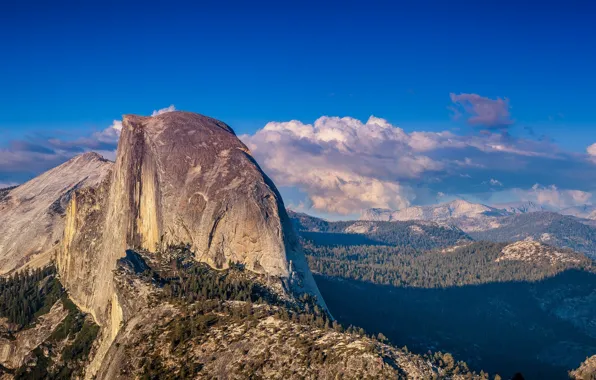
(463, 209)
(451, 224)
(420, 235)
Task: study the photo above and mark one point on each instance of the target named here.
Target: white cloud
(345, 165)
(592, 150)
(554, 197)
(163, 110)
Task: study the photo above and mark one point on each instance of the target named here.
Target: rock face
(587, 371)
(32, 214)
(179, 178)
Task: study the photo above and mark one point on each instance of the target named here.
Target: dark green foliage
(39, 371)
(470, 265)
(194, 281)
(79, 333)
(498, 327)
(81, 346)
(204, 294)
(27, 295)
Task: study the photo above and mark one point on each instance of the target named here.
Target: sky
(346, 105)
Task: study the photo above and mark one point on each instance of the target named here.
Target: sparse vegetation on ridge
(231, 322)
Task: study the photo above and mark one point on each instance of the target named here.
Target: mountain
(548, 227)
(572, 228)
(177, 261)
(192, 322)
(521, 207)
(179, 178)
(414, 234)
(32, 214)
(535, 252)
(535, 300)
(436, 213)
(541, 328)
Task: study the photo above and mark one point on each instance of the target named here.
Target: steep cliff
(179, 178)
(32, 214)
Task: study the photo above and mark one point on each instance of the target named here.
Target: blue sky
(70, 68)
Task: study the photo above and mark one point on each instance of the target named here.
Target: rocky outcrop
(587, 371)
(532, 251)
(179, 178)
(32, 214)
(14, 351)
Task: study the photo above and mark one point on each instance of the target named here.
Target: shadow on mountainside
(540, 329)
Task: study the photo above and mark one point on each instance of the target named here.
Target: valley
(502, 307)
(541, 329)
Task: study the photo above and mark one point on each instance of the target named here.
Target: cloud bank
(342, 165)
(345, 165)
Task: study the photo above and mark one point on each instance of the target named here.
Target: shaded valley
(541, 329)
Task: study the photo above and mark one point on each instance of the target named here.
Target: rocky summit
(179, 178)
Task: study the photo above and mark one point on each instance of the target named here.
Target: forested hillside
(472, 264)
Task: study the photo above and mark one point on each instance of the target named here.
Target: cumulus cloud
(592, 150)
(481, 111)
(345, 165)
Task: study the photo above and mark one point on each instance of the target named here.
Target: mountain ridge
(32, 213)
